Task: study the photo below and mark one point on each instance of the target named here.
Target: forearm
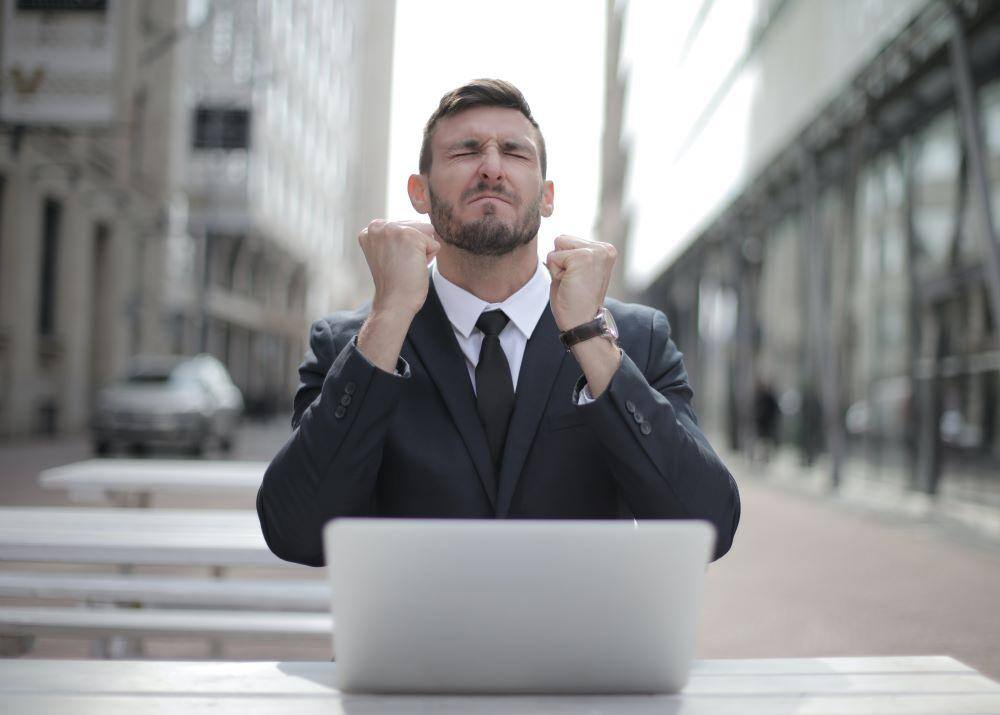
(599, 360)
(329, 465)
(662, 462)
(381, 337)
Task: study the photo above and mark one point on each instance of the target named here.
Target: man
(453, 394)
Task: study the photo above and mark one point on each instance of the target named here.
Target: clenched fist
(581, 271)
(398, 253)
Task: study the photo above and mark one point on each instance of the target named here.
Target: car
(177, 402)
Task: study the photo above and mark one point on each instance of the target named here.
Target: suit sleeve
(663, 463)
(329, 465)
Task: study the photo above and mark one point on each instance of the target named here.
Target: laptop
(515, 606)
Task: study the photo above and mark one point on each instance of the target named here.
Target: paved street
(806, 576)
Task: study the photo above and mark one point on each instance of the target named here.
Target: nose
(491, 168)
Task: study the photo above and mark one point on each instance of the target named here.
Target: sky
(553, 51)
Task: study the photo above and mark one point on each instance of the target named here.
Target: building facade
(286, 153)
(195, 188)
(85, 173)
(832, 180)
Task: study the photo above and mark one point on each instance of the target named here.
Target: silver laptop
(519, 606)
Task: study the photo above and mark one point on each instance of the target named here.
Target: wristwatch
(603, 325)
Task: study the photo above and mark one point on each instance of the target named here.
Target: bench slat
(313, 595)
(136, 536)
(148, 622)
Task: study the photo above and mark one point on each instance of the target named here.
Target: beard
(487, 235)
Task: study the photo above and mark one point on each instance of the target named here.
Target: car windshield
(183, 374)
(148, 378)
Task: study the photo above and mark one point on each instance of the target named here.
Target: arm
(346, 398)
(329, 465)
(664, 464)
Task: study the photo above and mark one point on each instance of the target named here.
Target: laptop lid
(461, 606)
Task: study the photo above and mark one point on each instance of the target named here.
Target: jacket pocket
(564, 420)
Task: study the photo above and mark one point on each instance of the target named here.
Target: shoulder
(643, 331)
(635, 319)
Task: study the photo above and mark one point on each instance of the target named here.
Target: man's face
(485, 189)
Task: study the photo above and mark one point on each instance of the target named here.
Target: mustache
(482, 188)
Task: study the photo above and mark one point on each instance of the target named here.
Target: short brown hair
(479, 93)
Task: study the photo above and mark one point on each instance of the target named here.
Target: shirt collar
(524, 307)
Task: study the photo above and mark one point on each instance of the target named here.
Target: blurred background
(810, 189)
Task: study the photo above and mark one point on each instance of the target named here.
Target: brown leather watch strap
(588, 330)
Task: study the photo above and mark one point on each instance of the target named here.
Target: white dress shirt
(524, 308)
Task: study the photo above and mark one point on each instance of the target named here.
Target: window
(221, 128)
(137, 128)
(55, 5)
(51, 216)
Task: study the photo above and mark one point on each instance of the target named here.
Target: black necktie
(494, 388)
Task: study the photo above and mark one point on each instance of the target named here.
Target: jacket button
(646, 428)
(340, 412)
(630, 406)
(345, 400)
(637, 416)
(350, 388)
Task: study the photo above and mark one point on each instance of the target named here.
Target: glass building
(847, 253)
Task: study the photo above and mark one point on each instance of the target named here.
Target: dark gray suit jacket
(368, 443)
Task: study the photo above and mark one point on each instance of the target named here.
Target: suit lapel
(543, 356)
(433, 339)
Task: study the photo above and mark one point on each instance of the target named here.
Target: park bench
(133, 482)
(170, 605)
(169, 591)
(175, 537)
(20, 624)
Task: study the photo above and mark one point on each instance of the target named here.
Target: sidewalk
(813, 575)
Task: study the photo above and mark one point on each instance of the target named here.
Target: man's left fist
(581, 271)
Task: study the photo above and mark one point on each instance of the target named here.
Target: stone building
(180, 176)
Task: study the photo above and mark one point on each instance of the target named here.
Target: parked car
(169, 401)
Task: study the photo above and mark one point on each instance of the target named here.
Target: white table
(131, 482)
(935, 685)
(177, 537)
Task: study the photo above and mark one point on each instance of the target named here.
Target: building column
(21, 261)
(73, 314)
(975, 144)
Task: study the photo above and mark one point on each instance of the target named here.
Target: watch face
(609, 322)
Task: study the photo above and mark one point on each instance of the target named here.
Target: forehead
(484, 123)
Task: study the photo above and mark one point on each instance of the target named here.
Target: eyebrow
(505, 144)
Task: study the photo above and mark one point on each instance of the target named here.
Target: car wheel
(102, 447)
(197, 449)
(226, 443)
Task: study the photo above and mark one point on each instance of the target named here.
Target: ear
(419, 191)
(548, 198)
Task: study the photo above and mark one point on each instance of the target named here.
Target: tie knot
(492, 322)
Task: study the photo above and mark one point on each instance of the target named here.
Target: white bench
(19, 624)
(175, 537)
(132, 482)
(927, 685)
(173, 591)
(209, 538)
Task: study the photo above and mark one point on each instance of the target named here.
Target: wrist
(391, 315)
(602, 326)
(575, 320)
(381, 338)
(599, 360)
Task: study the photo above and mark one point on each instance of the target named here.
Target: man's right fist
(398, 253)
